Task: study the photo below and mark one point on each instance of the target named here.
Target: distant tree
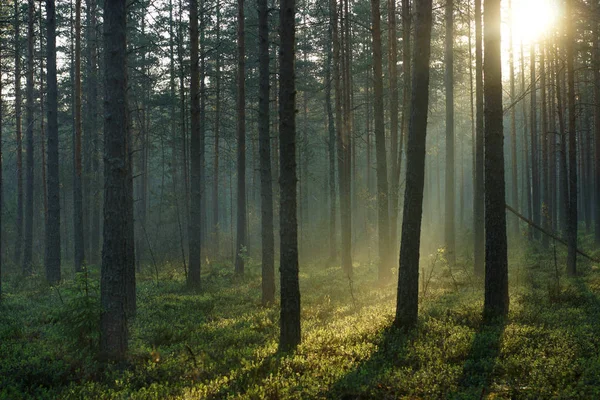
(266, 179)
(29, 171)
(513, 122)
(19, 137)
(408, 276)
(396, 143)
(331, 137)
(53, 256)
(117, 261)
(478, 192)
(572, 159)
(290, 290)
(79, 249)
(241, 241)
(535, 176)
(496, 260)
(380, 152)
(450, 230)
(195, 194)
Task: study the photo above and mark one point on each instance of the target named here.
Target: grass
(221, 343)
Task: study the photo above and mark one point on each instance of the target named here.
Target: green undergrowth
(221, 343)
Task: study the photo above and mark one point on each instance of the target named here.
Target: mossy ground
(221, 343)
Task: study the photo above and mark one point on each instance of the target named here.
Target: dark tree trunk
(290, 290)
(544, 138)
(572, 159)
(195, 195)
(29, 171)
(215, 193)
(2, 182)
(563, 173)
(266, 179)
(535, 176)
(331, 129)
(496, 259)
(53, 258)
(596, 67)
(241, 241)
(479, 197)
(449, 173)
(382, 177)
(513, 128)
(408, 277)
(117, 262)
(78, 229)
(19, 137)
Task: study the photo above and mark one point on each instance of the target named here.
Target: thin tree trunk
(394, 128)
(535, 176)
(596, 68)
(266, 179)
(572, 159)
(449, 173)
(78, 228)
(29, 171)
(382, 177)
(478, 199)
(216, 208)
(513, 126)
(408, 277)
(544, 138)
(241, 241)
(331, 129)
(19, 138)
(52, 259)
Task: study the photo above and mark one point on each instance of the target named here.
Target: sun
(533, 19)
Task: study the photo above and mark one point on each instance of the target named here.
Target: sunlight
(532, 19)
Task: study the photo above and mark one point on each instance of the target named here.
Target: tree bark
(408, 277)
(496, 260)
(394, 128)
(596, 68)
(117, 262)
(29, 171)
(195, 195)
(479, 197)
(572, 159)
(449, 83)
(331, 130)
(382, 176)
(535, 176)
(53, 256)
(19, 138)
(241, 240)
(290, 334)
(266, 178)
(78, 228)
(513, 127)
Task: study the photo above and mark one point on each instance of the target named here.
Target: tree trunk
(266, 179)
(535, 176)
(240, 247)
(215, 203)
(382, 177)
(19, 137)
(513, 127)
(449, 83)
(526, 154)
(195, 195)
(572, 159)
(496, 259)
(408, 277)
(479, 197)
(394, 128)
(544, 138)
(596, 68)
(77, 179)
(2, 182)
(117, 263)
(29, 171)
(290, 290)
(53, 259)
(331, 129)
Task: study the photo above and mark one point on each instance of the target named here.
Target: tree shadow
(479, 366)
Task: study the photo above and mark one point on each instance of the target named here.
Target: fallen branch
(548, 233)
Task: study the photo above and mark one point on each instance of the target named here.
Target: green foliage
(221, 343)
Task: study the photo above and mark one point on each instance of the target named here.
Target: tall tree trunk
(449, 83)
(19, 137)
(202, 173)
(117, 262)
(496, 258)
(596, 68)
(195, 195)
(215, 193)
(78, 228)
(526, 154)
(572, 159)
(382, 177)
(406, 71)
(544, 138)
(52, 258)
(2, 182)
(240, 247)
(290, 290)
(408, 277)
(394, 128)
(513, 126)
(479, 199)
(535, 176)
(266, 179)
(331, 129)
(563, 173)
(29, 171)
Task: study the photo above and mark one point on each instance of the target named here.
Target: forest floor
(221, 343)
